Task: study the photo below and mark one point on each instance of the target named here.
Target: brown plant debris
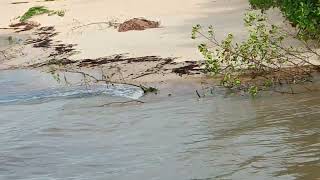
(43, 39)
(21, 2)
(118, 58)
(121, 103)
(190, 67)
(137, 24)
(118, 67)
(24, 26)
(123, 59)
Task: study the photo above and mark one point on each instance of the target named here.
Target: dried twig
(120, 103)
(109, 24)
(96, 79)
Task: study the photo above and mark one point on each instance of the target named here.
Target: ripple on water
(74, 92)
(178, 137)
(31, 86)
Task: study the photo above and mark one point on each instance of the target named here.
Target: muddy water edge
(50, 130)
(172, 135)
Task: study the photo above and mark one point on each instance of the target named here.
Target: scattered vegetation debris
(191, 67)
(122, 58)
(110, 60)
(34, 11)
(24, 26)
(39, 10)
(61, 49)
(150, 89)
(137, 24)
(60, 62)
(21, 2)
(122, 103)
(44, 40)
(44, 35)
(118, 67)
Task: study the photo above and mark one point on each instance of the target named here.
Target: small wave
(119, 90)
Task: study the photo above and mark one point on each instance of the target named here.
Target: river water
(51, 131)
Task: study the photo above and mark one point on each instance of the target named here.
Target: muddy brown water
(70, 136)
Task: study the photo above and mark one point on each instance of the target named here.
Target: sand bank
(171, 40)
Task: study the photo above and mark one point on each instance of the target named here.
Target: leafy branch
(260, 62)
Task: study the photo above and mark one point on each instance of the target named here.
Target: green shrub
(305, 14)
(258, 63)
(262, 4)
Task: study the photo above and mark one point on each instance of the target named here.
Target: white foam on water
(117, 90)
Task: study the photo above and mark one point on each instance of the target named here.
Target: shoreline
(172, 39)
(48, 46)
(118, 67)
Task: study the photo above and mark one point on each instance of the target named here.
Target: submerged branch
(121, 103)
(96, 79)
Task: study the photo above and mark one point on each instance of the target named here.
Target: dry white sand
(173, 38)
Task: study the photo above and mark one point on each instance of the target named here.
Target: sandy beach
(172, 39)
(85, 35)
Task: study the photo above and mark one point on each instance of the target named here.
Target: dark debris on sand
(131, 67)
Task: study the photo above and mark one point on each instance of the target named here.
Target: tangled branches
(260, 62)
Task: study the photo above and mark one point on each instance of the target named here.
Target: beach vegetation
(39, 10)
(303, 14)
(260, 62)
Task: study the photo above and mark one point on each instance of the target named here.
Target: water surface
(178, 137)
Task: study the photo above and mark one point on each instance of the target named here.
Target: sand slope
(173, 38)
